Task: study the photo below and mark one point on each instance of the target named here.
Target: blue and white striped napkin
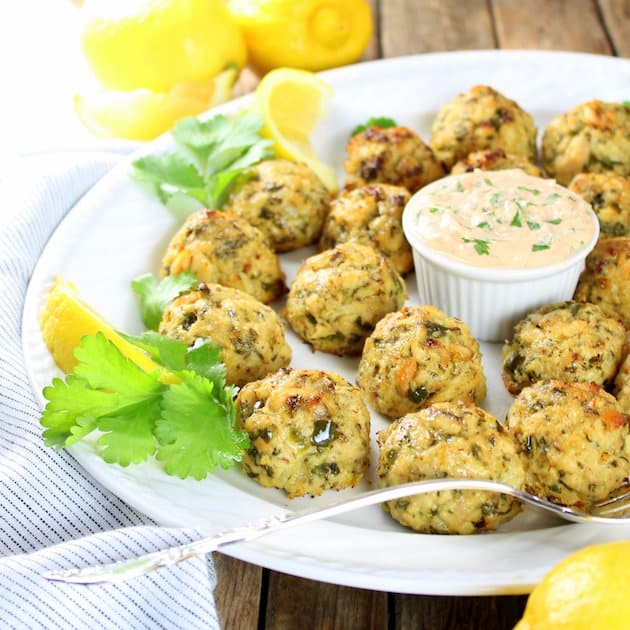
(52, 515)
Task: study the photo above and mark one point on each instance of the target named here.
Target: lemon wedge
(66, 318)
(291, 102)
(142, 114)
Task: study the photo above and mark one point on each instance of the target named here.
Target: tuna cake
(338, 296)
(221, 247)
(570, 341)
(309, 431)
(450, 440)
(609, 196)
(249, 334)
(395, 155)
(285, 200)
(495, 160)
(419, 356)
(606, 278)
(371, 215)
(622, 386)
(574, 441)
(593, 137)
(480, 119)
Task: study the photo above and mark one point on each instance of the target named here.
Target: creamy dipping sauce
(501, 219)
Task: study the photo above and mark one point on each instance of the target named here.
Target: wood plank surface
(616, 18)
(238, 593)
(421, 26)
(550, 25)
(298, 603)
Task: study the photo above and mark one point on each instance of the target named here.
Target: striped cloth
(52, 515)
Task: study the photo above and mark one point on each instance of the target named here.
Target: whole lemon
(155, 44)
(307, 34)
(588, 590)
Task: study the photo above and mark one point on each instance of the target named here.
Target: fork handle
(127, 569)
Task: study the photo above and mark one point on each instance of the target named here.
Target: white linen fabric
(52, 514)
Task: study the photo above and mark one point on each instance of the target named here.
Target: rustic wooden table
(249, 597)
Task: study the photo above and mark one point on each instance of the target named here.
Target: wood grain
(373, 50)
(458, 613)
(616, 17)
(298, 603)
(550, 25)
(238, 592)
(419, 26)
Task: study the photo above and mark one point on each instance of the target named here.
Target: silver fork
(602, 513)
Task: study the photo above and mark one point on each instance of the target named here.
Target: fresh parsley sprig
(188, 424)
(208, 157)
(375, 121)
(156, 296)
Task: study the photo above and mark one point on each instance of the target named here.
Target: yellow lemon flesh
(589, 590)
(66, 318)
(291, 102)
(155, 44)
(309, 34)
(142, 114)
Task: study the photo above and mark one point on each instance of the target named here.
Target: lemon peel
(155, 44)
(309, 34)
(66, 318)
(142, 114)
(586, 591)
(291, 103)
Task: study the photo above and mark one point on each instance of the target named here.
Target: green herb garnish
(459, 187)
(534, 191)
(189, 425)
(208, 157)
(156, 296)
(554, 221)
(375, 121)
(532, 225)
(539, 247)
(482, 247)
(516, 219)
(484, 225)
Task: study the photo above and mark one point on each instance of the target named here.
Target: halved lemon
(291, 103)
(143, 114)
(66, 318)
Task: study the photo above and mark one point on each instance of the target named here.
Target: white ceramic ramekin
(490, 301)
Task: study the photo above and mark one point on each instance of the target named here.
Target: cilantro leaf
(192, 431)
(516, 219)
(188, 424)
(539, 247)
(208, 157)
(383, 122)
(107, 392)
(482, 247)
(156, 296)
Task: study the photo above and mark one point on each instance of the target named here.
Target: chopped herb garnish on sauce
(532, 225)
(482, 247)
(553, 197)
(534, 191)
(459, 187)
(516, 220)
(488, 181)
(494, 199)
(539, 247)
(554, 221)
(484, 225)
(434, 210)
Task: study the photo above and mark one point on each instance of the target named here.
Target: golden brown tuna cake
(574, 440)
(396, 155)
(309, 431)
(495, 160)
(570, 341)
(221, 247)
(371, 215)
(249, 334)
(285, 200)
(606, 278)
(482, 118)
(593, 137)
(609, 196)
(450, 440)
(338, 296)
(419, 356)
